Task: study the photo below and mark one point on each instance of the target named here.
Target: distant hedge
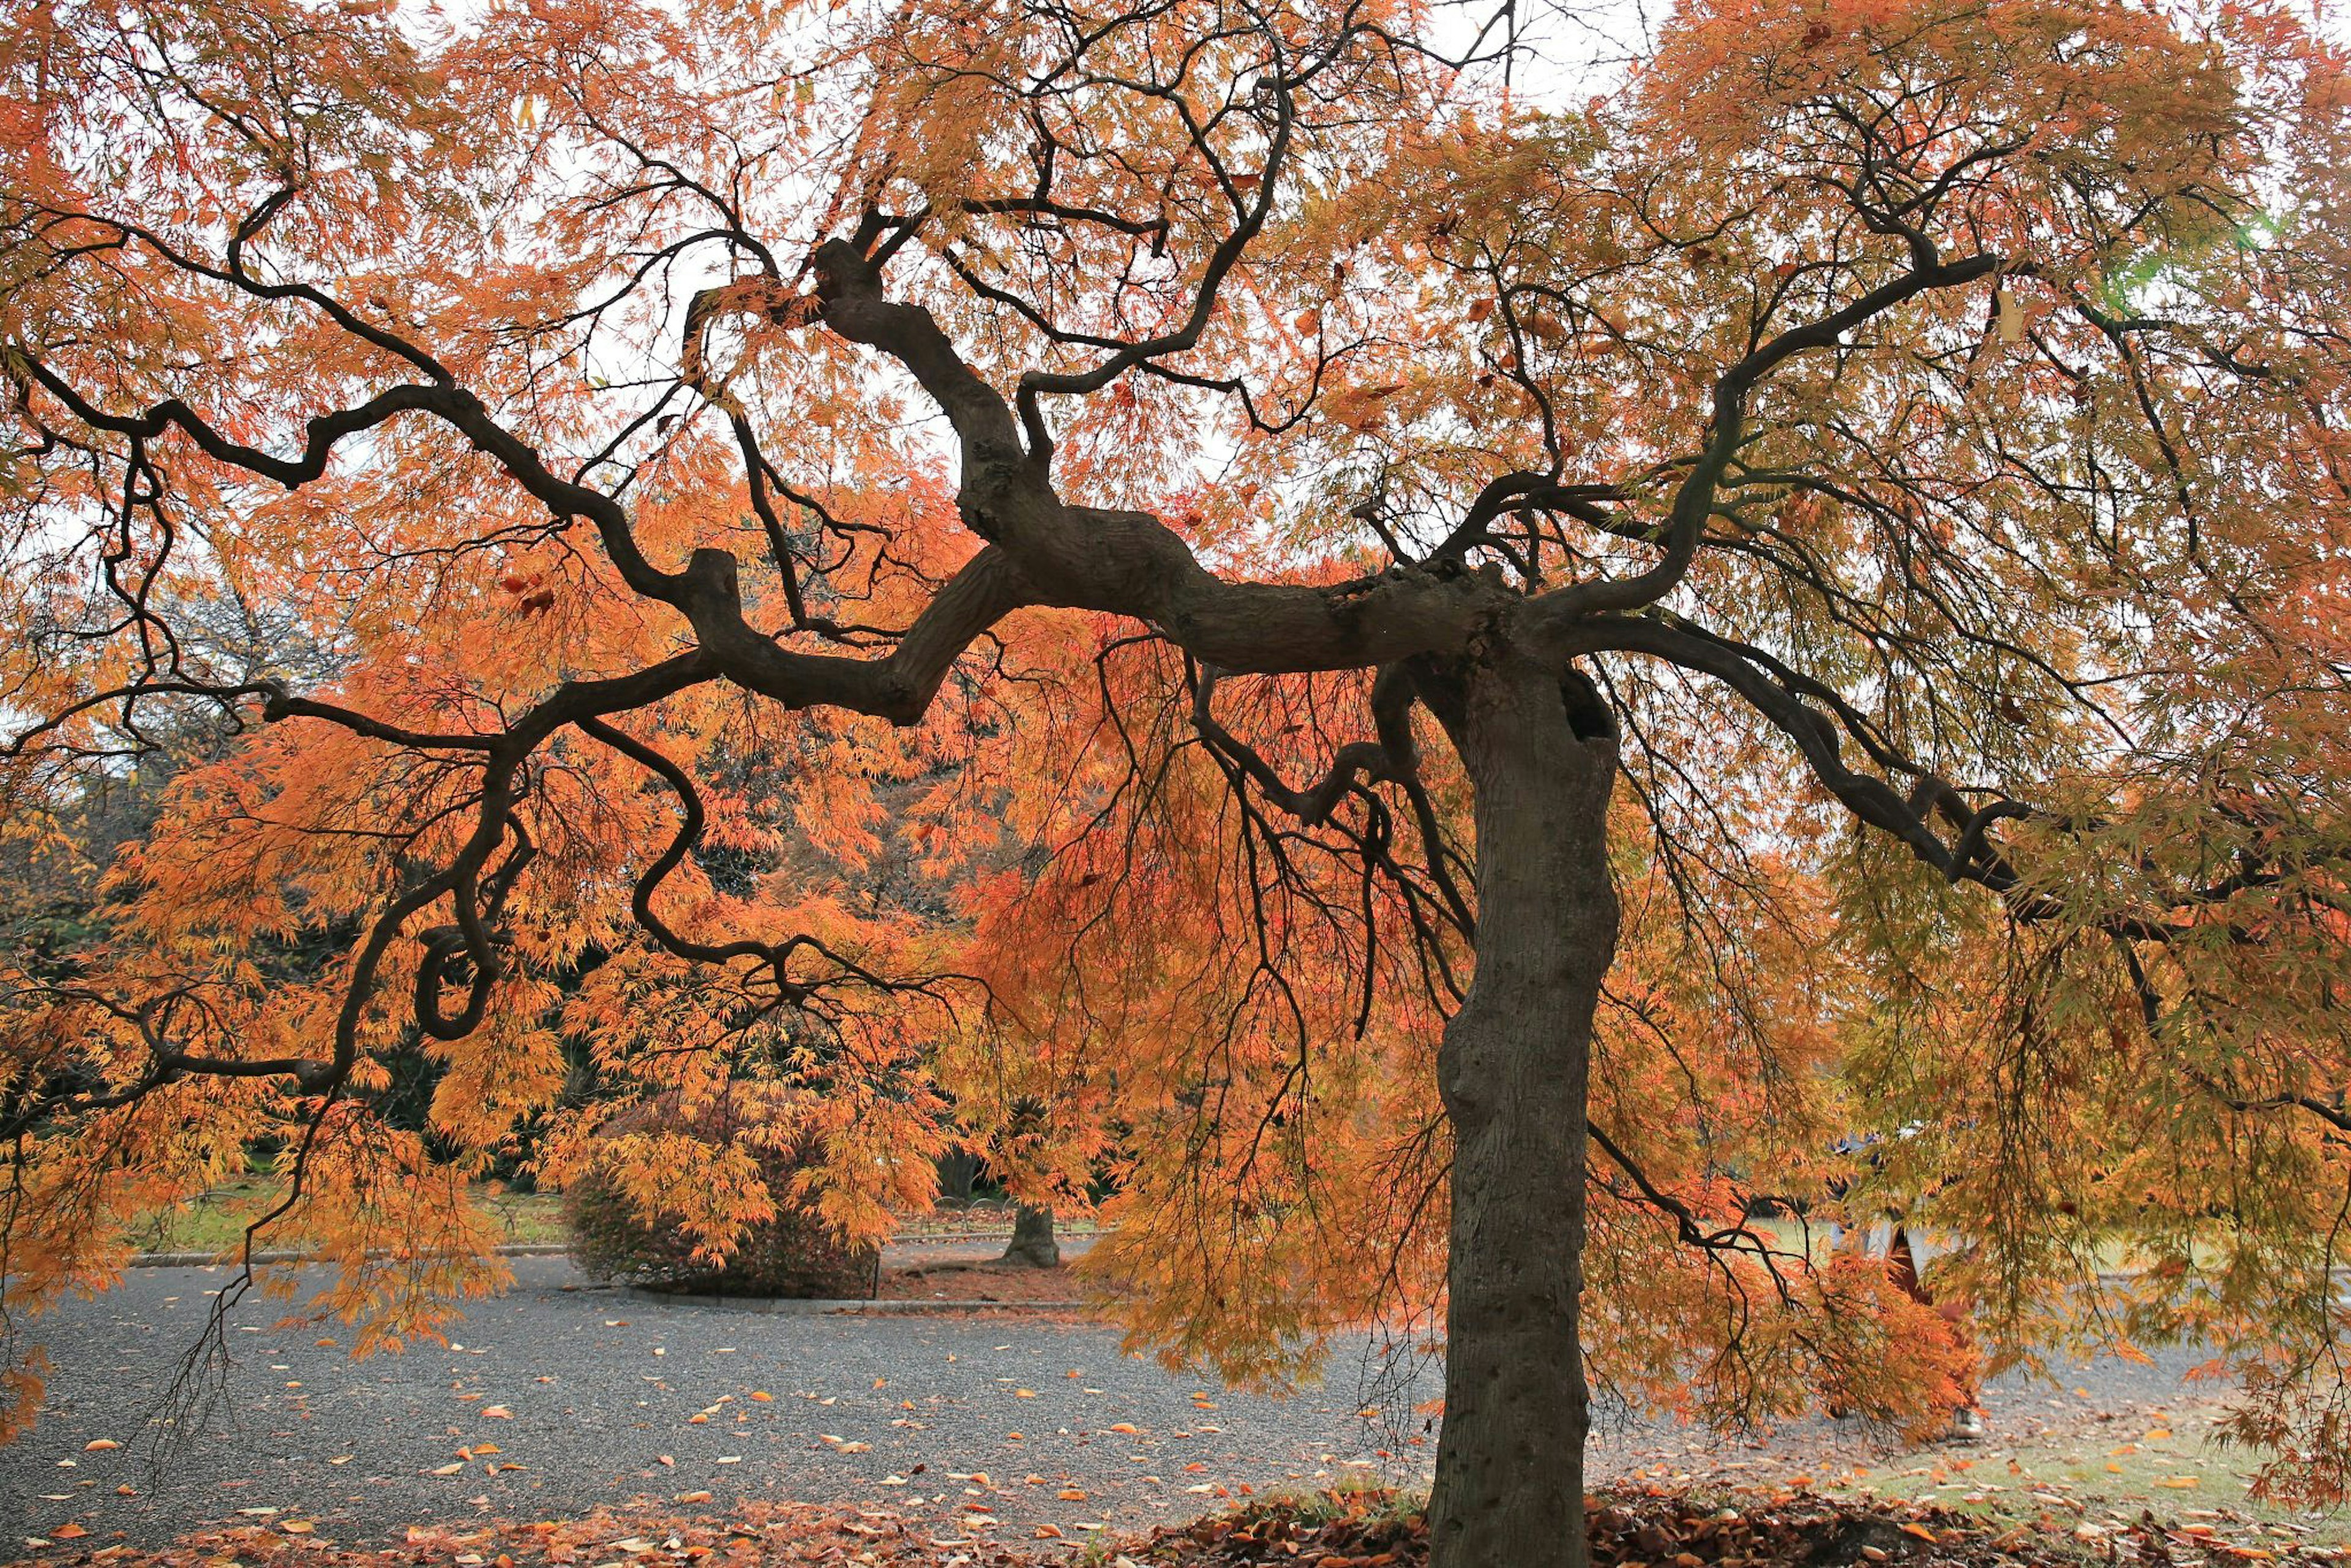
(796, 1254)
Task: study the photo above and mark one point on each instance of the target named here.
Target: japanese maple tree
(1453, 685)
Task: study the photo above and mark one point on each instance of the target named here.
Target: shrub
(794, 1254)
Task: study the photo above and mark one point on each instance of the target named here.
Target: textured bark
(1513, 1071)
(1032, 1238)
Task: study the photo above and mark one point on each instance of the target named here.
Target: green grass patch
(2165, 1462)
(215, 1222)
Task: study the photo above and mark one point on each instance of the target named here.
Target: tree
(1851, 520)
(105, 794)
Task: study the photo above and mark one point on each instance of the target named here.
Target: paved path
(559, 1396)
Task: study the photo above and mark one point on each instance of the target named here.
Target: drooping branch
(776, 957)
(1362, 760)
(1689, 1228)
(1786, 700)
(1693, 500)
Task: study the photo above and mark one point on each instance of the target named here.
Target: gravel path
(559, 1396)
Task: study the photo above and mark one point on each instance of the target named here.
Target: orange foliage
(840, 537)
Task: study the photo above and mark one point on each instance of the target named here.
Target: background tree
(1850, 520)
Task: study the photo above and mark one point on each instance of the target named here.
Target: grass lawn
(2113, 1257)
(2163, 1462)
(216, 1221)
(984, 1217)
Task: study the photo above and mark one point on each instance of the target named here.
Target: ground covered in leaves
(1658, 1529)
(960, 1281)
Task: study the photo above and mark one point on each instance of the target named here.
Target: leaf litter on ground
(1371, 1528)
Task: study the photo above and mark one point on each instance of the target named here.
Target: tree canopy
(1248, 598)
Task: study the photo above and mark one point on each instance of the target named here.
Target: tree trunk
(1032, 1238)
(1513, 1071)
